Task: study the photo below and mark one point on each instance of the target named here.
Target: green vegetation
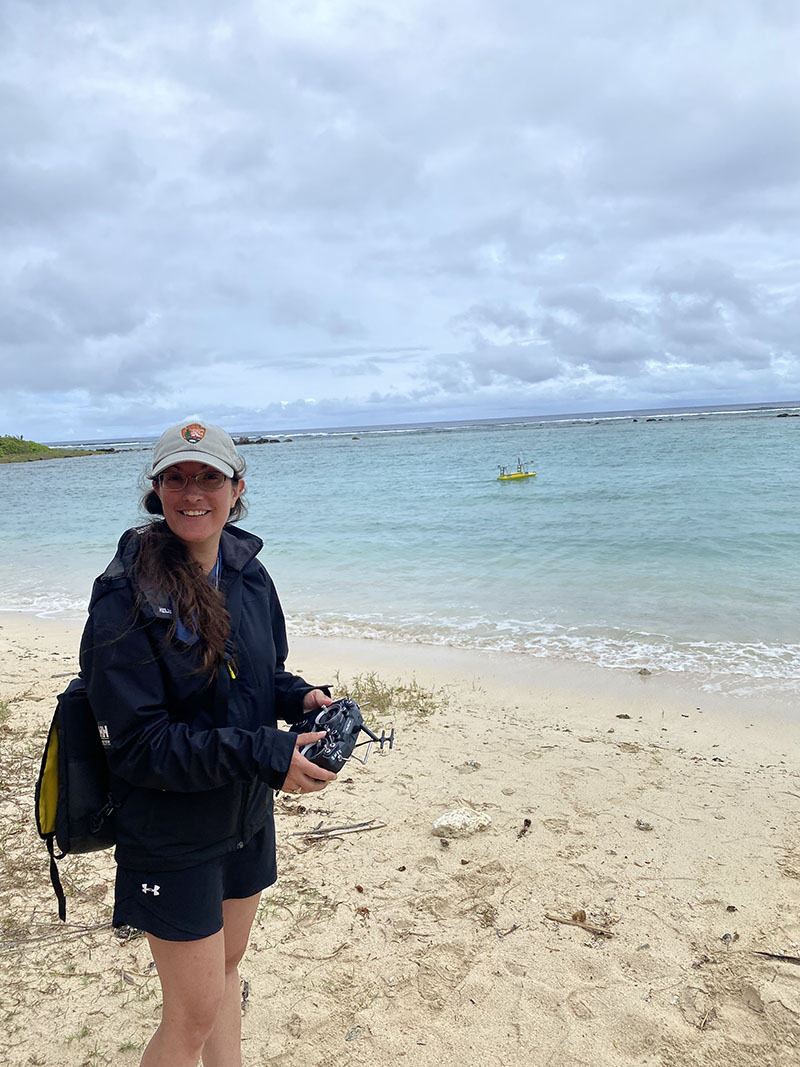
(408, 701)
(17, 450)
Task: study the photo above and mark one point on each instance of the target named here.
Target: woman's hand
(304, 776)
(315, 699)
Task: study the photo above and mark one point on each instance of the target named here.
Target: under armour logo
(150, 889)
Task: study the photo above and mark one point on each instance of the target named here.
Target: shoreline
(511, 677)
(662, 710)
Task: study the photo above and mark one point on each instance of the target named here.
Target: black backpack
(74, 804)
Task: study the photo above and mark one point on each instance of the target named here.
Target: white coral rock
(460, 822)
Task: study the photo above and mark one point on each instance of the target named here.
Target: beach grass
(406, 700)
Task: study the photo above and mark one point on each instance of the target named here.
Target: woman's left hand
(315, 699)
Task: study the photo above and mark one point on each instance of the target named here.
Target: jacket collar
(238, 548)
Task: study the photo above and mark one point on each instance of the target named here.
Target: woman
(183, 657)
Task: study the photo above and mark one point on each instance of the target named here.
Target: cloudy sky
(300, 213)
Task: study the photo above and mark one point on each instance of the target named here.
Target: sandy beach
(661, 817)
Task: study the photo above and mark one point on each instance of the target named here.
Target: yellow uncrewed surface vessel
(514, 476)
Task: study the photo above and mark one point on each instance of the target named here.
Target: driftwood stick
(338, 831)
(320, 829)
(577, 922)
(777, 956)
(321, 835)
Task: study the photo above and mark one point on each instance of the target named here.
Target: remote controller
(342, 722)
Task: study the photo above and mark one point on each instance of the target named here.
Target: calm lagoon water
(669, 542)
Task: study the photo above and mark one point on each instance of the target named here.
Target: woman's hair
(163, 564)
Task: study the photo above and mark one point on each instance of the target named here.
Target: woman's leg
(223, 1045)
(192, 976)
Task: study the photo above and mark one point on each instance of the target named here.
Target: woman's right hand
(304, 776)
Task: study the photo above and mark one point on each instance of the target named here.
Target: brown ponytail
(163, 565)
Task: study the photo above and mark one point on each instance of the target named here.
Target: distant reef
(261, 440)
(18, 450)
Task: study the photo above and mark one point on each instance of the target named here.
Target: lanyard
(215, 573)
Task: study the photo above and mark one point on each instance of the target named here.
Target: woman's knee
(194, 1017)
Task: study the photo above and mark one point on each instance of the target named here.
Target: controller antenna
(382, 740)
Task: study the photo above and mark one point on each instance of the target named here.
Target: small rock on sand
(461, 822)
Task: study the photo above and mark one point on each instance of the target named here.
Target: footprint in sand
(441, 971)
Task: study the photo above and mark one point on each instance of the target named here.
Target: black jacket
(196, 773)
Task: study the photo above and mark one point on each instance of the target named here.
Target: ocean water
(666, 540)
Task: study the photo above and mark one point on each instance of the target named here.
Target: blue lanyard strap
(215, 573)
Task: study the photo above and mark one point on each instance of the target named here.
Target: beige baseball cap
(196, 441)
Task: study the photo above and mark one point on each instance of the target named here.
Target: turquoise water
(670, 544)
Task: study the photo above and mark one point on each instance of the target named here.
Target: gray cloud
(381, 212)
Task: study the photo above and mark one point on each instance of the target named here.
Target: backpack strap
(96, 821)
(58, 889)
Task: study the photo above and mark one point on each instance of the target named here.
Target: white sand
(386, 946)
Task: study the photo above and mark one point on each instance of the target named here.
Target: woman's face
(196, 515)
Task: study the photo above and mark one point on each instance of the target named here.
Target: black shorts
(186, 905)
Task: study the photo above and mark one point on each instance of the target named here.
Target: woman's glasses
(208, 481)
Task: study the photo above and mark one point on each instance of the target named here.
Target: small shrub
(406, 700)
